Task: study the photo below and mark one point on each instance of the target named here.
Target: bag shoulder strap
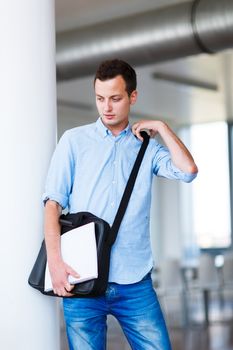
(128, 189)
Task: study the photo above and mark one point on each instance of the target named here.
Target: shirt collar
(104, 131)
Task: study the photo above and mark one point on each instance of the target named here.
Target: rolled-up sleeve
(60, 175)
(163, 166)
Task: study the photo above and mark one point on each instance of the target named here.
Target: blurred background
(182, 53)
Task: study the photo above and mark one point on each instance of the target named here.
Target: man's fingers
(69, 287)
(72, 272)
(138, 134)
(137, 128)
(64, 288)
(64, 292)
(136, 131)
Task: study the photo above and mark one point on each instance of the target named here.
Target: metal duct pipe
(173, 32)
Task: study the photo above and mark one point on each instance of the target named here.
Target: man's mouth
(109, 116)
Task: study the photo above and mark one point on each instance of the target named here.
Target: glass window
(209, 193)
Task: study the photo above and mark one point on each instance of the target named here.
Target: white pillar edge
(29, 320)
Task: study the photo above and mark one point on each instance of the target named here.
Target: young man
(88, 172)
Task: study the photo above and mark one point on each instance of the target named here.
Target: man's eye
(116, 99)
(100, 99)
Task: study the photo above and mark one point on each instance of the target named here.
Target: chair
(207, 281)
(207, 272)
(228, 271)
(171, 286)
(227, 284)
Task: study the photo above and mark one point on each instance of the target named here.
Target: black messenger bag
(104, 234)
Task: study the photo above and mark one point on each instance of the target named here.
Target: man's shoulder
(80, 132)
(81, 129)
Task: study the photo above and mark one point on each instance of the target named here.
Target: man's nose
(107, 105)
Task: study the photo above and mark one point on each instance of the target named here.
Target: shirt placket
(114, 180)
(114, 176)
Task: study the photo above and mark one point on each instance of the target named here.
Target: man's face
(113, 103)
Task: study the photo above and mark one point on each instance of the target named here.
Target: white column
(28, 320)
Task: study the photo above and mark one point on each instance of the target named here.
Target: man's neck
(116, 130)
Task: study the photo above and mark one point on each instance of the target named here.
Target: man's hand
(151, 126)
(59, 274)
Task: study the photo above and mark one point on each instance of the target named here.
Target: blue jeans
(136, 308)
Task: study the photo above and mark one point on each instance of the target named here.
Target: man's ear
(133, 97)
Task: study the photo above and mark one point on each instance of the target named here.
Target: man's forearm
(52, 230)
(59, 270)
(180, 155)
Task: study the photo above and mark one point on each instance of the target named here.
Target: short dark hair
(109, 69)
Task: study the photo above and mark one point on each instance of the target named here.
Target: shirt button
(112, 204)
(114, 163)
(113, 182)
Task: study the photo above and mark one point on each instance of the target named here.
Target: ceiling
(76, 13)
(181, 91)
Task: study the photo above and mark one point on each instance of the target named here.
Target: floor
(191, 335)
(214, 337)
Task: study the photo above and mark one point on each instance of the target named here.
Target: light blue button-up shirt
(89, 171)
